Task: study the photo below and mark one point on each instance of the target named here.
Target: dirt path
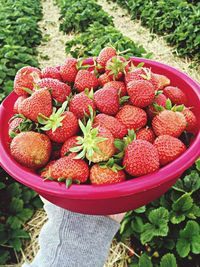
(151, 42)
(52, 49)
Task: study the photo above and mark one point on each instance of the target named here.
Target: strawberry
(51, 72)
(39, 102)
(117, 129)
(141, 93)
(85, 79)
(80, 103)
(116, 67)
(31, 149)
(119, 85)
(59, 90)
(169, 148)
(106, 54)
(69, 70)
(141, 158)
(102, 175)
(19, 100)
(191, 121)
(14, 125)
(103, 79)
(142, 74)
(69, 143)
(17, 124)
(146, 134)
(169, 122)
(162, 80)
(132, 117)
(159, 100)
(107, 100)
(97, 144)
(70, 169)
(176, 95)
(26, 77)
(46, 171)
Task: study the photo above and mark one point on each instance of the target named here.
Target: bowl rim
(126, 188)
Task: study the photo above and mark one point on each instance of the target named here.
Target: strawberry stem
(29, 91)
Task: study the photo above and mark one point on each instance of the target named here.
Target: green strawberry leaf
(145, 261)
(168, 260)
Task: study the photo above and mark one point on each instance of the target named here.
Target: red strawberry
(146, 134)
(69, 143)
(51, 72)
(105, 54)
(107, 100)
(169, 122)
(26, 77)
(116, 67)
(103, 79)
(117, 129)
(191, 120)
(141, 158)
(39, 102)
(176, 95)
(46, 171)
(159, 100)
(141, 93)
(19, 100)
(80, 103)
(169, 148)
(162, 80)
(13, 126)
(69, 70)
(59, 90)
(31, 149)
(120, 86)
(132, 117)
(85, 79)
(99, 175)
(70, 168)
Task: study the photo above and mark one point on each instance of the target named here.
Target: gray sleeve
(71, 239)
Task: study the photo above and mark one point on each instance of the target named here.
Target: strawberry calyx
(111, 164)
(55, 120)
(116, 65)
(24, 126)
(148, 74)
(168, 106)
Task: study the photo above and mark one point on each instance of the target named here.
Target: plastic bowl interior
(108, 199)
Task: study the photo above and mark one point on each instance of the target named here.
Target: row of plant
(19, 36)
(166, 231)
(177, 20)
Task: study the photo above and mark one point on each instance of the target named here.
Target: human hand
(117, 217)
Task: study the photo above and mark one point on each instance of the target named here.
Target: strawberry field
(164, 233)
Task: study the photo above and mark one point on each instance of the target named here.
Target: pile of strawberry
(100, 123)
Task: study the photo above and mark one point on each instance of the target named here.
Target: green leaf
(148, 233)
(159, 216)
(176, 218)
(168, 260)
(184, 203)
(198, 164)
(4, 256)
(195, 246)
(19, 233)
(16, 244)
(16, 205)
(145, 261)
(14, 222)
(25, 214)
(182, 247)
(140, 210)
(2, 185)
(14, 189)
(119, 144)
(168, 104)
(137, 224)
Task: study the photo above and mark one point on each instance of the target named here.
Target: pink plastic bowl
(116, 198)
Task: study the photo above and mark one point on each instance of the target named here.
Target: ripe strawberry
(97, 144)
(19, 124)
(169, 148)
(46, 171)
(59, 90)
(70, 169)
(105, 54)
(176, 95)
(69, 70)
(26, 77)
(162, 80)
(120, 86)
(116, 67)
(103, 79)
(132, 117)
(142, 74)
(69, 143)
(85, 79)
(51, 72)
(141, 93)
(19, 100)
(80, 103)
(31, 149)
(13, 126)
(140, 158)
(146, 134)
(107, 100)
(117, 129)
(191, 120)
(159, 100)
(169, 122)
(99, 175)
(39, 102)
